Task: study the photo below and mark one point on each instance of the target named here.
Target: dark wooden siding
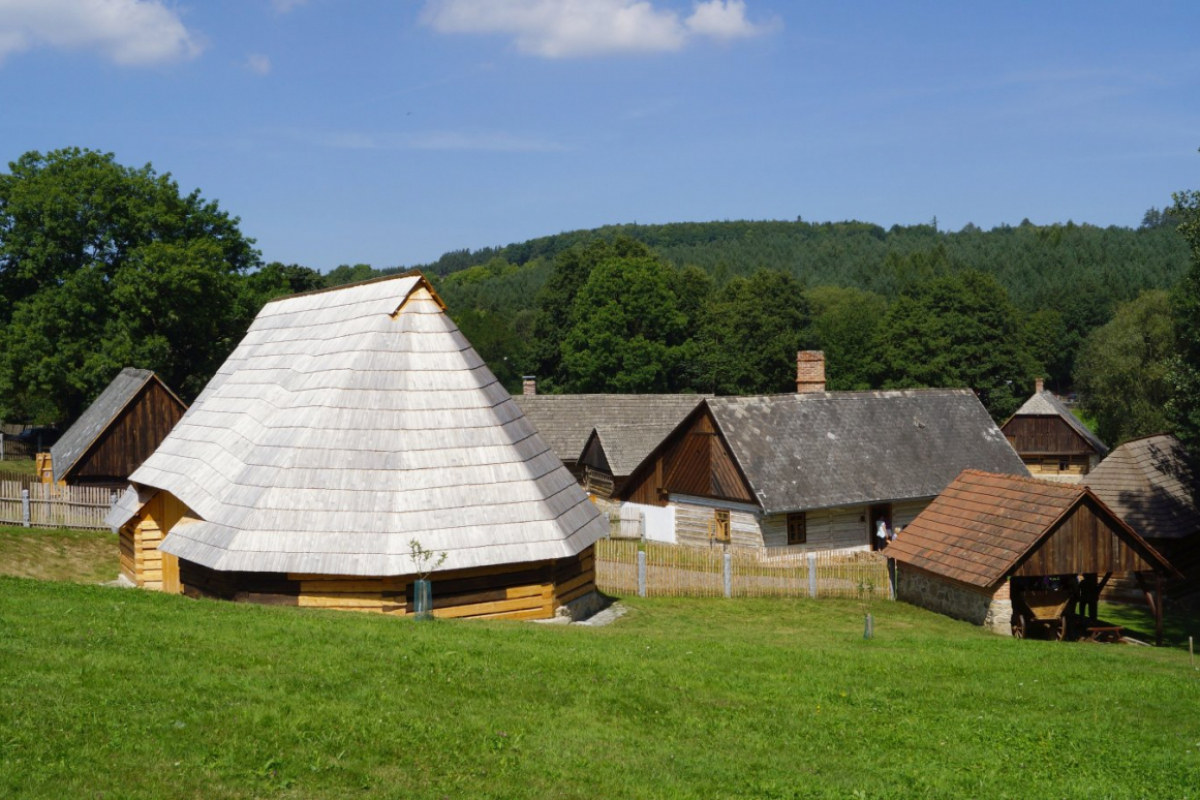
(694, 461)
(594, 457)
(1086, 541)
(1045, 435)
(136, 433)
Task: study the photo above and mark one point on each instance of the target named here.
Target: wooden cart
(1041, 610)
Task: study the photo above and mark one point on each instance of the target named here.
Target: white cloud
(131, 32)
(258, 63)
(576, 28)
(722, 19)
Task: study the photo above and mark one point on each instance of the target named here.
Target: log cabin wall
(511, 591)
(1085, 542)
(1049, 446)
(141, 561)
(695, 461)
(136, 433)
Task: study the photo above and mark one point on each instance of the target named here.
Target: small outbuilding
(1149, 483)
(347, 424)
(1053, 442)
(997, 550)
(602, 437)
(117, 432)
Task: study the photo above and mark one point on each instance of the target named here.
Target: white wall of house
(694, 521)
(658, 523)
(828, 529)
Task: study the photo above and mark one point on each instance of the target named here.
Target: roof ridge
(412, 273)
(1073, 488)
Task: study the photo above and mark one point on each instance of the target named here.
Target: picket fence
(652, 569)
(48, 506)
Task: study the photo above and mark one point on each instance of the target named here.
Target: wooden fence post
(641, 573)
(25, 518)
(812, 575)
(112, 503)
(728, 574)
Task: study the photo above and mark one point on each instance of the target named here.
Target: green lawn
(22, 466)
(125, 693)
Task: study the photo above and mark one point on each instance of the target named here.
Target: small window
(1063, 466)
(797, 525)
(721, 528)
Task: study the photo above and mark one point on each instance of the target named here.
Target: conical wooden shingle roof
(349, 422)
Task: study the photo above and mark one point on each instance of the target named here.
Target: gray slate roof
(566, 421)
(348, 423)
(1044, 404)
(67, 451)
(1149, 484)
(808, 451)
(626, 446)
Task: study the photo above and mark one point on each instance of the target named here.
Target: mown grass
(18, 466)
(124, 693)
(1139, 622)
(59, 554)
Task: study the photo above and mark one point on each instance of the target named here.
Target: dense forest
(103, 266)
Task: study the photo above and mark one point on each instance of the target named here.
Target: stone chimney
(528, 385)
(810, 371)
(1040, 386)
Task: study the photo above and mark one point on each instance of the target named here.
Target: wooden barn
(348, 423)
(1018, 555)
(111, 439)
(811, 471)
(602, 437)
(1051, 440)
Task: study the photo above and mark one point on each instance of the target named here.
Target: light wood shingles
(339, 430)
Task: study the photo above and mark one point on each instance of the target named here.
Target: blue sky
(348, 131)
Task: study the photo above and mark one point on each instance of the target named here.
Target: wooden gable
(1045, 435)
(1088, 539)
(694, 460)
(594, 456)
(133, 435)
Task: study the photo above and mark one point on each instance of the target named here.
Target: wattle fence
(651, 569)
(42, 505)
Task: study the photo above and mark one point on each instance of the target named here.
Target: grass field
(60, 555)
(123, 693)
(20, 466)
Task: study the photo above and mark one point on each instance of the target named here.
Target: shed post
(112, 503)
(812, 575)
(1, 445)
(641, 573)
(728, 563)
(25, 518)
(1158, 609)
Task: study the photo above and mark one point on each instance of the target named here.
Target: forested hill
(1040, 266)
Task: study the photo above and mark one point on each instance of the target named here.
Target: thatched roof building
(346, 424)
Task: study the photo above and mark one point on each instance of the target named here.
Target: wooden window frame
(722, 525)
(800, 520)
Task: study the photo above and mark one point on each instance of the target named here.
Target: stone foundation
(990, 608)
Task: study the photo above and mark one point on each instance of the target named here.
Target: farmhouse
(347, 424)
(811, 471)
(117, 432)
(602, 437)
(1051, 440)
(996, 550)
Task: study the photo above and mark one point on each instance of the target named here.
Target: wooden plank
(478, 609)
(352, 585)
(489, 596)
(581, 580)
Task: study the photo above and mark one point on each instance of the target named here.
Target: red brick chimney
(810, 371)
(1041, 385)
(528, 385)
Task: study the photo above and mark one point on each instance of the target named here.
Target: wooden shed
(989, 541)
(348, 423)
(1053, 442)
(813, 470)
(117, 432)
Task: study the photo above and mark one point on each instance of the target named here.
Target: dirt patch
(59, 555)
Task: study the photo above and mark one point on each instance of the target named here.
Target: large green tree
(104, 266)
(1185, 377)
(751, 332)
(846, 324)
(1121, 372)
(960, 330)
(626, 332)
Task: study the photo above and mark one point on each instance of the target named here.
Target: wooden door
(170, 574)
(879, 512)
